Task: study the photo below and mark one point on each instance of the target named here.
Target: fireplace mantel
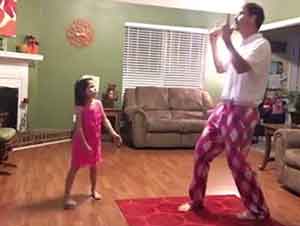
(14, 70)
(14, 56)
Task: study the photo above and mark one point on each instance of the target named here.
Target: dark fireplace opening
(8, 107)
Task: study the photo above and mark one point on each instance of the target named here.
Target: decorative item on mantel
(110, 96)
(30, 45)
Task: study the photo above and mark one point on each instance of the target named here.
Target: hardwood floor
(32, 195)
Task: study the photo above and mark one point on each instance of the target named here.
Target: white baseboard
(41, 145)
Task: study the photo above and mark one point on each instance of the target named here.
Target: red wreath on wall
(80, 33)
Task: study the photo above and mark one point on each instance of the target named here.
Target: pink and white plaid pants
(229, 128)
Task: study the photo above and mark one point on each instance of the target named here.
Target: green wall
(277, 10)
(51, 81)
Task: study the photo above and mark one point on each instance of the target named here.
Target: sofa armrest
(138, 121)
(283, 140)
(291, 137)
(130, 111)
(139, 112)
(135, 119)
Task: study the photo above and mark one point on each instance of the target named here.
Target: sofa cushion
(292, 157)
(185, 99)
(164, 125)
(172, 125)
(179, 114)
(152, 98)
(158, 114)
(193, 125)
(163, 140)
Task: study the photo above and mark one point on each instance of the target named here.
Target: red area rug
(219, 211)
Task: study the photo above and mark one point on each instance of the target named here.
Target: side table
(114, 115)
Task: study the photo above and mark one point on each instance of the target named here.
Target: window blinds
(163, 58)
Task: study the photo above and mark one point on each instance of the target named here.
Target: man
(231, 125)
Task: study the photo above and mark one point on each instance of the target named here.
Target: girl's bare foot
(96, 195)
(69, 203)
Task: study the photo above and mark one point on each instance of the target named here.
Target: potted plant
(294, 106)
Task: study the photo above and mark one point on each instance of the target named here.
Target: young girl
(86, 141)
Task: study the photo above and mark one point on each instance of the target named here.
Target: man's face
(244, 20)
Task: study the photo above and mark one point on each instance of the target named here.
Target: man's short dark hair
(256, 10)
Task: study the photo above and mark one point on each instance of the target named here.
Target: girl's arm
(117, 138)
(78, 127)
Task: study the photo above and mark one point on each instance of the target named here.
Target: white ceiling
(219, 6)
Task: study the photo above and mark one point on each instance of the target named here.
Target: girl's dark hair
(256, 10)
(80, 88)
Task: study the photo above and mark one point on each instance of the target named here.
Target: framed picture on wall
(8, 18)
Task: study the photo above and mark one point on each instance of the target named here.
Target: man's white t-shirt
(249, 87)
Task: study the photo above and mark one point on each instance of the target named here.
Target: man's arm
(240, 65)
(213, 36)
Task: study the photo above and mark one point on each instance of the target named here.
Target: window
(164, 57)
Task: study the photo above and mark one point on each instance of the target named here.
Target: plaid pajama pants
(229, 128)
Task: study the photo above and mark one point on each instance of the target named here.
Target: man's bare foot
(96, 195)
(185, 207)
(246, 215)
(69, 203)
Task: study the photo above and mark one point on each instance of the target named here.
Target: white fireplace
(14, 74)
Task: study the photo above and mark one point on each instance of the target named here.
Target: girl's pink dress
(92, 116)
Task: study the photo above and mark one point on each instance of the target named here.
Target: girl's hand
(88, 148)
(117, 139)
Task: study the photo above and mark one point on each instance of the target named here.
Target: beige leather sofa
(287, 155)
(165, 117)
